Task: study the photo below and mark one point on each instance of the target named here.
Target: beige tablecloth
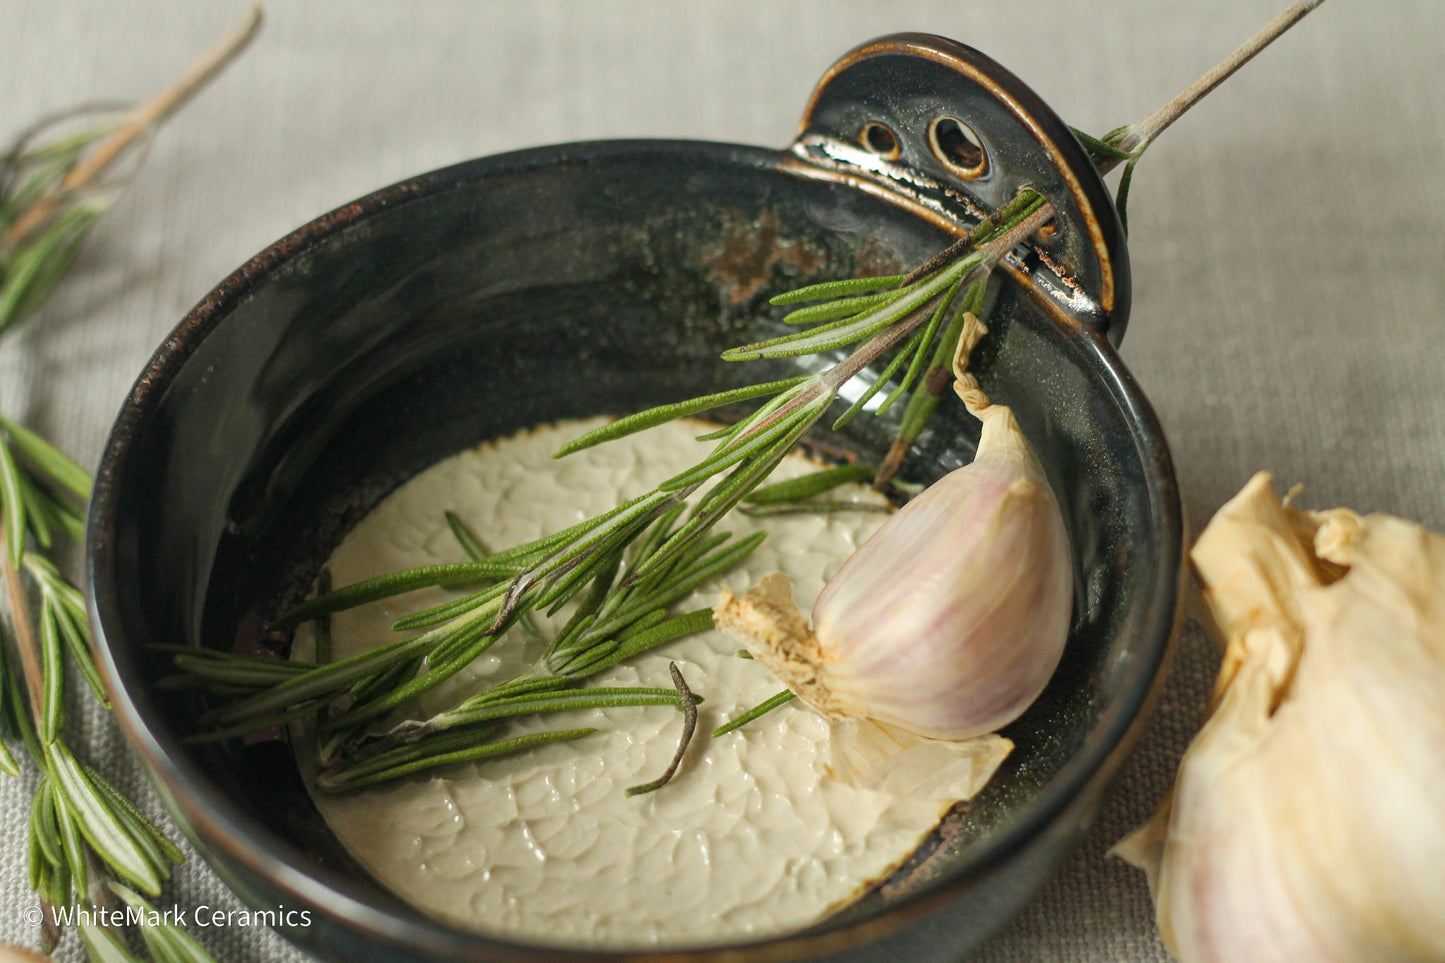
(1287, 243)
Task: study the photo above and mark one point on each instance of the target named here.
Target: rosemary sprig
(82, 830)
(88, 844)
(606, 628)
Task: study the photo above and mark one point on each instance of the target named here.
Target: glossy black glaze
(500, 293)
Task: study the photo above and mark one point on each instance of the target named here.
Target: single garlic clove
(1306, 821)
(949, 620)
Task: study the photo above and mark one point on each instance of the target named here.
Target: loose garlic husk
(1307, 822)
(951, 618)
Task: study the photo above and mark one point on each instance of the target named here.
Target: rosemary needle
(757, 711)
(809, 485)
(485, 750)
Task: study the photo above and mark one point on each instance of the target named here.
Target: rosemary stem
(925, 399)
(23, 631)
(1138, 136)
(141, 119)
(688, 703)
(991, 253)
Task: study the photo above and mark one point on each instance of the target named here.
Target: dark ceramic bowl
(505, 292)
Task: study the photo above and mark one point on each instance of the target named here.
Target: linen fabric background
(1287, 246)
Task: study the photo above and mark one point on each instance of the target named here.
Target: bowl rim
(220, 828)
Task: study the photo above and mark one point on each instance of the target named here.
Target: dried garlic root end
(766, 622)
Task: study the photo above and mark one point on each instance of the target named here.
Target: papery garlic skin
(882, 758)
(1308, 819)
(949, 620)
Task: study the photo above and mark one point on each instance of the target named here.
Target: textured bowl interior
(570, 281)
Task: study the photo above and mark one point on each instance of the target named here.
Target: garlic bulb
(951, 618)
(1308, 819)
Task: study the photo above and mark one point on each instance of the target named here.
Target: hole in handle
(880, 139)
(957, 146)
